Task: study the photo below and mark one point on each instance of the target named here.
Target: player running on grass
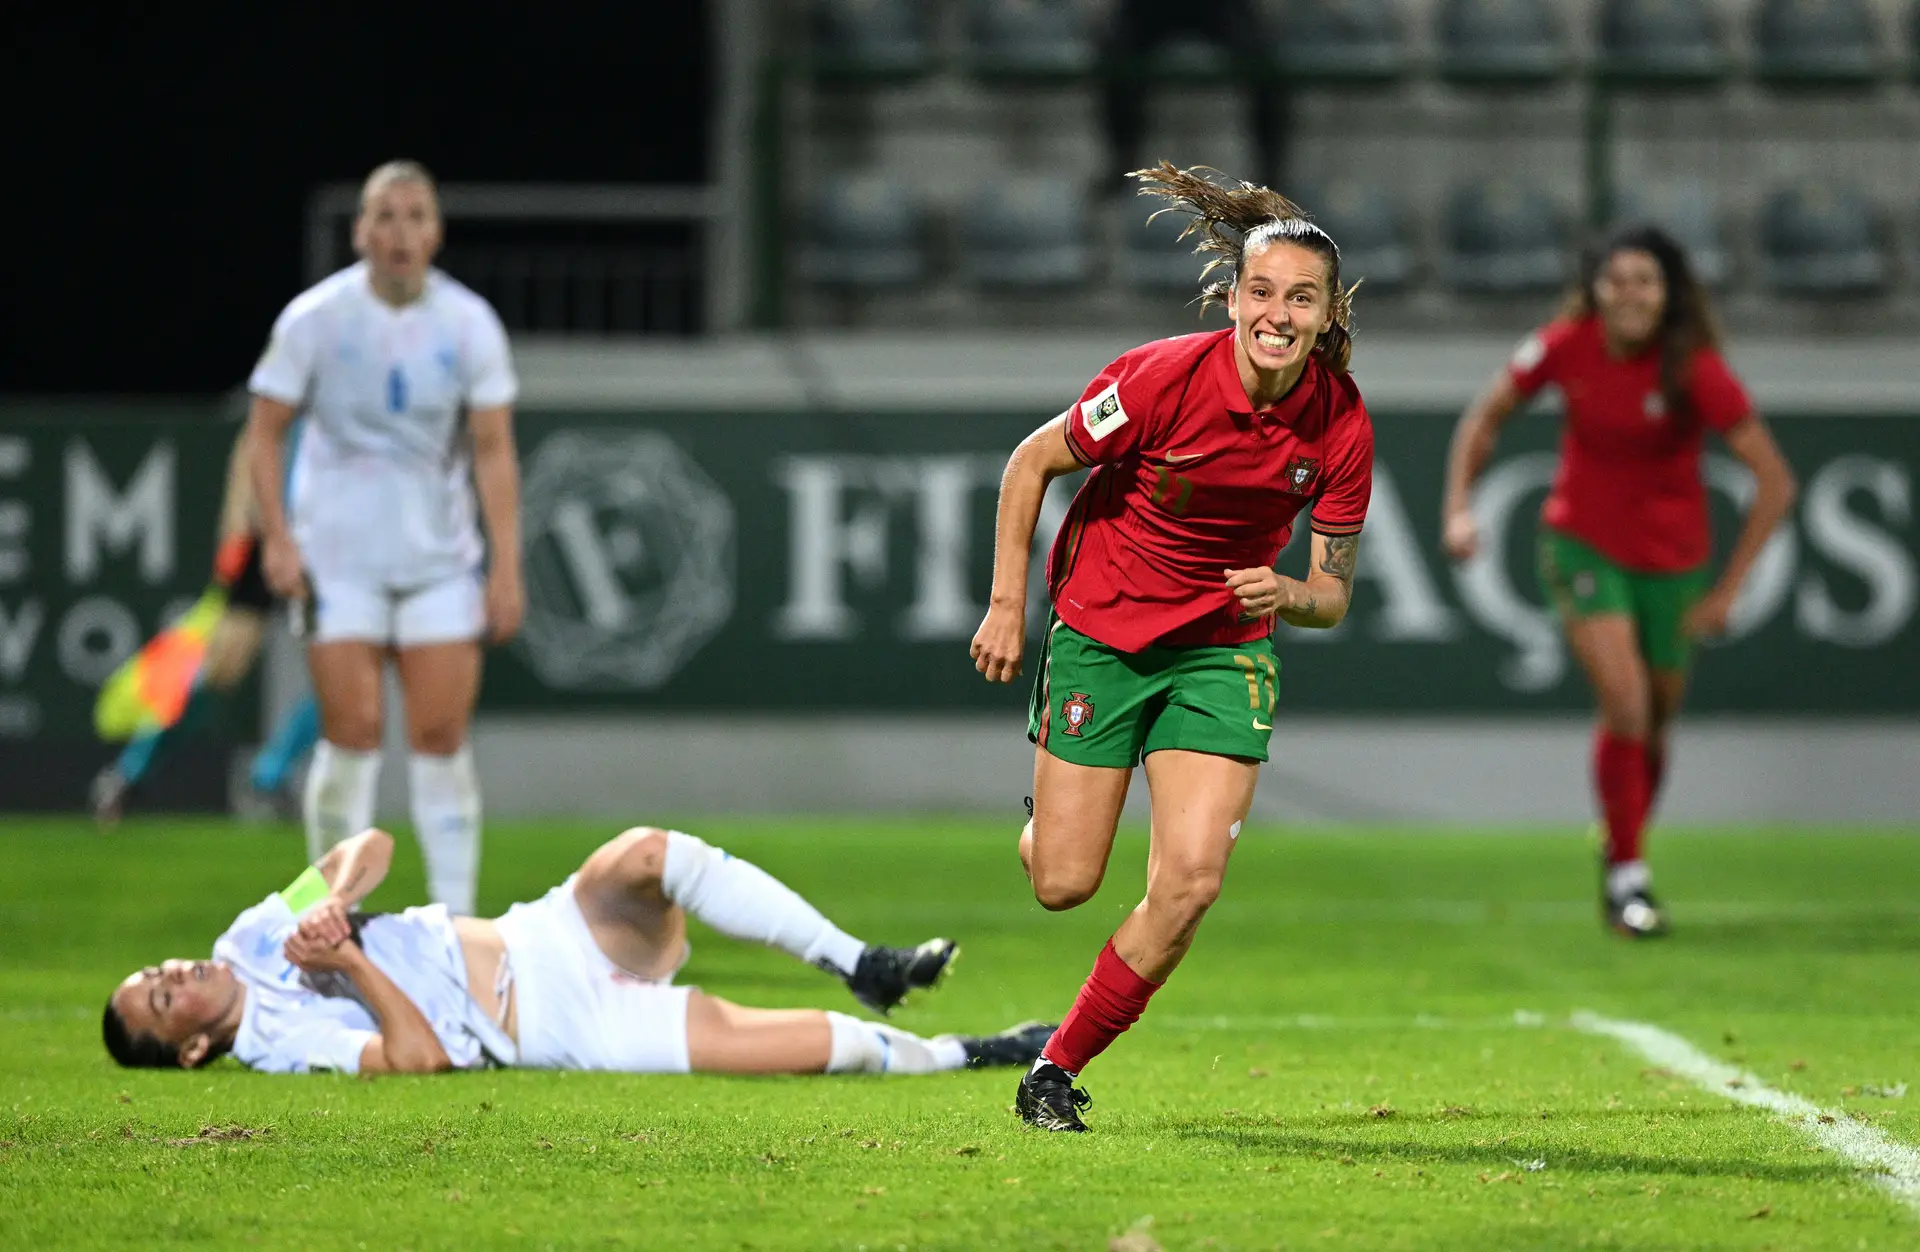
(1624, 543)
(581, 978)
(1204, 449)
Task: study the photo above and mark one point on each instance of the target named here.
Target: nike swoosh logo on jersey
(1184, 456)
(1260, 725)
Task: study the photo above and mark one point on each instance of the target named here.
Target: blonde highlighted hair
(1234, 220)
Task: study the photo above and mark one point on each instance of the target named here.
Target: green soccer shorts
(1581, 583)
(1095, 705)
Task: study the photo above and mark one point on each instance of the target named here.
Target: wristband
(305, 891)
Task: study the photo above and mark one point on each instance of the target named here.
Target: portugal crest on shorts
(1301, 473)
(1077, 712)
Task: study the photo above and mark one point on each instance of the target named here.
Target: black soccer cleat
(1016, 1045)
(1048, 1100)
(1637, 916)
(884, 976)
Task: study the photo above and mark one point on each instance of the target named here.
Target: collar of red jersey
(1232, 393)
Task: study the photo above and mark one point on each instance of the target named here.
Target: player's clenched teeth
(1277, 343)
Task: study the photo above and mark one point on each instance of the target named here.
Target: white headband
(1288, 228)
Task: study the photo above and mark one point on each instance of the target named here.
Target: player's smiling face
(399, 231)
(177, 1001)
(1280, 308)
(1630, 293)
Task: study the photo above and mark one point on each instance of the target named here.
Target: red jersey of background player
(1629, 480)
(1188, 482)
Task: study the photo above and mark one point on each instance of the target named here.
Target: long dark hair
(144, 1051)
(1229, 218)
(1687, 323)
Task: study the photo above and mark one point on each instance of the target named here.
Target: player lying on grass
(581, 978)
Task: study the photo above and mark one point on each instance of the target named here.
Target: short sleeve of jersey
(286, 367)
(1536, 360)
(1347, 482)
(489, 378)
(1718, 398)
(313, 1045)
(1111, 417)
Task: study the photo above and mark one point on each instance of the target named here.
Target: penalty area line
(1894, 1166)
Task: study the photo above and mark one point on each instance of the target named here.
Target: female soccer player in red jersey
(1204, 449)
(1624, 548)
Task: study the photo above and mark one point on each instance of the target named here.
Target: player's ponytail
(1233, 220)
(1687, 323)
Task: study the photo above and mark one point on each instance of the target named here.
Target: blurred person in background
(231, 649)
(407, 387)
(1138, 28)
(1624, 544)
(1203, 450)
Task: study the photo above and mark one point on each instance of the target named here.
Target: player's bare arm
(1773, 496)
(496, 480)
(1041, 457)
(1473, 443)
(406, 1043)
(268, 421)
(1316, 602)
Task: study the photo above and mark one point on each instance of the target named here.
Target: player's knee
(1057, 891)
(1185, 894)
(641, 856)
(355, 732)
(437, 739)
(1626, 718)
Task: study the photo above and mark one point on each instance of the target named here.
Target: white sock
(1627, 878)
(743, 901)
(446, 820)
(338, 802)
(871, 1048)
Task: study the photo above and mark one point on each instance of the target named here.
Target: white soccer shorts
(452, 611)
(578, 1010)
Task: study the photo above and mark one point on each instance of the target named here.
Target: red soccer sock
(1621, 776)
(1112, 999)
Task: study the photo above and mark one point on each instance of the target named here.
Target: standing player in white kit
(407, 386)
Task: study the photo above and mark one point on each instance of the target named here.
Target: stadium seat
(1687, 211)
(1654, 42)
(1500, 42)
(1336, 41)
(1504, 239)
(1027, 232)
(863, 231)
(1152, 256)
(1029, 40)
(1823, 240)
(871, 39)
(1375, 243)
(1822, 43)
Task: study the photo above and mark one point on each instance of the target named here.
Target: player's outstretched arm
(1041, 457)
(1474, 438)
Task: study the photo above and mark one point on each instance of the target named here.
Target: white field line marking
(1895, 1166)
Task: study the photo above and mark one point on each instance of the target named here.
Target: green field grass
(1338, 1064)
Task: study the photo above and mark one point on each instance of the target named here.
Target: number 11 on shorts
(1259, 679)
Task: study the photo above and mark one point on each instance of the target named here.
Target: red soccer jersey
(1629, 480)
(1189, 482)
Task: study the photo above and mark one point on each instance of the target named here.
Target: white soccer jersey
(381, 492)
(295, 1023)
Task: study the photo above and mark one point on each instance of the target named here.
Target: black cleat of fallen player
(1048, 1100)
(1637, 916)
(1016, 1045)
(884, 976)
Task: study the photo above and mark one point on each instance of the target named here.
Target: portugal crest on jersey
(1077, 712)
(1301, 473)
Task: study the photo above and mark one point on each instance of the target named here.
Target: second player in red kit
(1204, 450)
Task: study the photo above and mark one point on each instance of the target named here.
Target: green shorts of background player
(1581, 583)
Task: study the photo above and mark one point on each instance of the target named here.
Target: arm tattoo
(1343, 553)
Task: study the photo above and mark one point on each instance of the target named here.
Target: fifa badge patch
(1301, 473)
(1077, 712)
(1103, 414)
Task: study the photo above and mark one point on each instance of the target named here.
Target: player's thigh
(440, 682)
(346, 684)
(1199, 802)
(728, 1038)
(234, 645)
(619, 893)
(1607, 646)
(1076, 809)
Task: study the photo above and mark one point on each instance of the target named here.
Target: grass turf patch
(1338, 1064)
